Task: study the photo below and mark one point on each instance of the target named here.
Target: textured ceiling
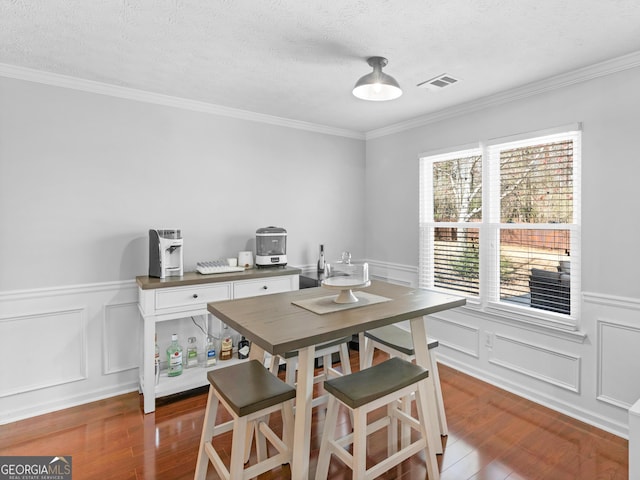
(299, 59)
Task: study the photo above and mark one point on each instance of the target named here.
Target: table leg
(427, 394)
(302, 431)
(256, 353)
(362, 349)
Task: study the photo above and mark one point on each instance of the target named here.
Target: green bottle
(174, 357)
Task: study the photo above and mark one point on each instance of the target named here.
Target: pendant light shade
(377, 86)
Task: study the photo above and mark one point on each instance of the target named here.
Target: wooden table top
(278, 326)
(194, 278)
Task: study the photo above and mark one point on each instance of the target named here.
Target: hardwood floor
(493, 435)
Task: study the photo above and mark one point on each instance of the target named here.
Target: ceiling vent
(438, 83)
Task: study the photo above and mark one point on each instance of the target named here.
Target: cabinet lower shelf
(189, 379)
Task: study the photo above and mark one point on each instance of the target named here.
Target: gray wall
(84, 176)
(592, 373)
(608, 108)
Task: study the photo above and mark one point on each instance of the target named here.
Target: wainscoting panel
(36, 355)
(618, 378)
(121, 337)
(67, 346)
(455, 335)
(393, 273)
(550, 366)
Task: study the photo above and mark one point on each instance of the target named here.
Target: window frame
(490, 226)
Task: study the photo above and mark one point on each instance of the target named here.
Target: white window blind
(501, 224)
(451, 188)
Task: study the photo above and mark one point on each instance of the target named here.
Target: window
(500, 224)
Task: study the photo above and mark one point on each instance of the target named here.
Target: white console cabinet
(176, 298)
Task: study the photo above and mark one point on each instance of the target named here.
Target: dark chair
(550, 290)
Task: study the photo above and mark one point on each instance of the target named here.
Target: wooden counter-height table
(277, 324)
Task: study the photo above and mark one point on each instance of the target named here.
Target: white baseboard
(62, 403)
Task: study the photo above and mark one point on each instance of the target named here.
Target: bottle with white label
(321, 261)
(226, 349)
(174, 357)
(243, 348)
(210, 355)
(192, 353)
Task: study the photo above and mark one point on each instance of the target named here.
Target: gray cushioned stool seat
(332, 343)
(363, 387)
(397, 338)
(248, 387)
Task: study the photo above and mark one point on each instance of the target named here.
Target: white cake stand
(345, 285)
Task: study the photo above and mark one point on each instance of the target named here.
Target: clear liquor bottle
(210, 354)
(192, 352)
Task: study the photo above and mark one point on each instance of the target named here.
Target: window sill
(529, 319)
(540, 323)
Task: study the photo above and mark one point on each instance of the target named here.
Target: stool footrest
(396, 458)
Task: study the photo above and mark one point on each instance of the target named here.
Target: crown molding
(584, 74)
(74, 83)
(608, 67)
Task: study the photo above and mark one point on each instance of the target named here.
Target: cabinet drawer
(261, 286)
(192, 296)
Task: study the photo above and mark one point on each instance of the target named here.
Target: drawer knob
(264, 287)
(195, 295)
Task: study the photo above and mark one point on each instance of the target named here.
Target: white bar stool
(249, 393)
(362, 392)
(397, 342)
(324, 351)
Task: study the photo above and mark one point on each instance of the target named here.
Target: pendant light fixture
(377, 86)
